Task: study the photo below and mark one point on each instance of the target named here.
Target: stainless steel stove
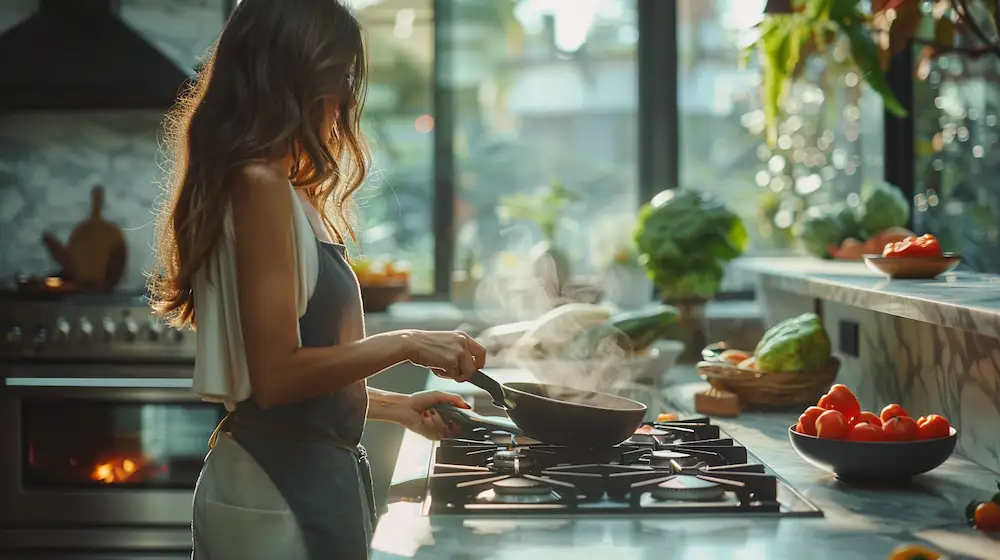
(101, 440)
(687, 467)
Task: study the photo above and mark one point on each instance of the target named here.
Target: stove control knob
(177, 336)
(154, 330)
(131, 328)
(62, 329)
(13, 336)
(86, 329)
(107, 329)
(40, 338)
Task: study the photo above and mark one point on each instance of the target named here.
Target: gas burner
(517, 490)
(687, 488)
(505, 439)
(667, 459)
(646, 435)
(510, 460)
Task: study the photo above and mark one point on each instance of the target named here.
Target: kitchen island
(858, 523)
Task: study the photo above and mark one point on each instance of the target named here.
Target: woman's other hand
(450, 354)
(417, 413)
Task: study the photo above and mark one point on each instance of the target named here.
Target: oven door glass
(73, 443)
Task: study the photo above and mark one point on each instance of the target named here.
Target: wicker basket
(767, 389)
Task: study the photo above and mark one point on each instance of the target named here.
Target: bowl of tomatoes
(913, 258)
(839, 437)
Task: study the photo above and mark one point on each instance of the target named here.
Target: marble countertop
(962, 300)
(858, 524)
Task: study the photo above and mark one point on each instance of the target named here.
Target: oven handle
(97, 383)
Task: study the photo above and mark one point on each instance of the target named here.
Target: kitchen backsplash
(50, 161)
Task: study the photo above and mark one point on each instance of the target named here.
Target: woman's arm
(415, 412)
(280, 371)
(385, 405)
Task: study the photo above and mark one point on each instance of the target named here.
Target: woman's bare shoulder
(260, 191)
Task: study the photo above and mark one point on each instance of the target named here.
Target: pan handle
(467, 418)
(490, 385)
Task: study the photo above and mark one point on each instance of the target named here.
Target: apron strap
(214, 438)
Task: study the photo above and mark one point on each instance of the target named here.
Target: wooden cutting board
(96, 249)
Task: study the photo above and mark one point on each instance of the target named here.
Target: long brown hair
(262, 95)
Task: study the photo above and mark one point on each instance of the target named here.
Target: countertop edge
(964, 300)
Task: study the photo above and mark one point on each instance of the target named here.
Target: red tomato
(924, 246)
(900, 428)
(841, 399)
(869, 417)
(863, 431)
(891, 411)
(832, 425)
(987, 517)
(933, 427)
(807, 421)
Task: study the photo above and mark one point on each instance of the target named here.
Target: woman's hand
(416, 413)
(451, 354)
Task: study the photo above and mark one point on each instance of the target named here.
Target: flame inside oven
(116, 470)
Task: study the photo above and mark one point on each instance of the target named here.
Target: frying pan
(554, 414)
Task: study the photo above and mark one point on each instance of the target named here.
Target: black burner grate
(689, 466)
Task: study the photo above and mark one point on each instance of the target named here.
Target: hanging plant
(795, 30)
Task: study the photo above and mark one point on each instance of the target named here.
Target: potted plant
(685, 238)
(545, 209)
(795, 31)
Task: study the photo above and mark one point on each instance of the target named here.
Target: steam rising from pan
(518, 292)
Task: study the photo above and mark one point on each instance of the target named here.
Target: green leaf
(820, 9)
(865, 54)
(781, 48)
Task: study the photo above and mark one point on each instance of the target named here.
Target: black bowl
(874, 461)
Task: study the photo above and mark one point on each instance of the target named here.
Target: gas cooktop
(688, 467)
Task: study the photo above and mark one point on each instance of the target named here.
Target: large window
(830, 139)
(956, 128)
(543, 93)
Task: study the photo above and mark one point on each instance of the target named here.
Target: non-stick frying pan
(555, 414)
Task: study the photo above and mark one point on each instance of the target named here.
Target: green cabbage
(686, 237)
(883, 206)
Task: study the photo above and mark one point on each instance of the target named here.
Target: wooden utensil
(58, 253)
(97, 249)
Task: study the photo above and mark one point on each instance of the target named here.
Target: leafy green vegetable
(794, 345)
(686, 238)
(883, 206)
(828, 225)
(820, 229)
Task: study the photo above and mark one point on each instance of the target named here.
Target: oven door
(120, 449)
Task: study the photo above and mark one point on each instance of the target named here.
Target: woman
(266, 143)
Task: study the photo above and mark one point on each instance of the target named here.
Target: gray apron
(311, 450)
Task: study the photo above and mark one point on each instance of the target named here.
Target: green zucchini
(632, 331)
